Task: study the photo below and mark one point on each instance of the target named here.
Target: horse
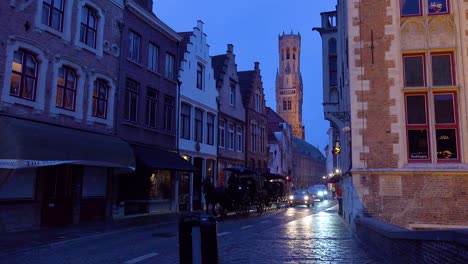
(215, 197)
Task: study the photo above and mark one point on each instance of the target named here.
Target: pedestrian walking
(333, 190)
(339, 197)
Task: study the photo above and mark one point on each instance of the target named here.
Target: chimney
(230, 48)
(256, 65)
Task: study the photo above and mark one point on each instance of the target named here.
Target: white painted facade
(281, 151)
(203, 98)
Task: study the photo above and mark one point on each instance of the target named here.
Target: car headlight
(325, 192)
(306, 197)
(291, 197)
(320, 193)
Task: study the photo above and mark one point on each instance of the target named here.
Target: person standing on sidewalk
(339, 197)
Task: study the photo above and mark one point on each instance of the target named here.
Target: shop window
(160, 185)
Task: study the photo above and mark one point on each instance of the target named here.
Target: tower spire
(289, 95)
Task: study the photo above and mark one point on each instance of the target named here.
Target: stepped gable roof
(183, 43)
(307, 149)
(245, 80)
(217, 62)
(274, 119)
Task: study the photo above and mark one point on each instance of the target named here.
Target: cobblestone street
(318, 238)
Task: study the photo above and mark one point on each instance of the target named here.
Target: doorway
(57, 198)
(197, 184)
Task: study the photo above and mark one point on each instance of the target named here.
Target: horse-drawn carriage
(245, 189)
(277, 188)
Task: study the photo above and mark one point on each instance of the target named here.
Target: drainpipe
(179, 83)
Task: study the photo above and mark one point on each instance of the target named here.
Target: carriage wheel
(260, 208)
(219, 210)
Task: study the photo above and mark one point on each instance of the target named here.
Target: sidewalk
(22, 241)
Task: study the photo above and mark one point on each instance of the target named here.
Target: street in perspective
(247, 131)
(288, 235)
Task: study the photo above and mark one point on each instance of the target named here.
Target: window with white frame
(185, 116)
(210, 121)
(88, 26)
(222, 133)
(231, 136)
(240, 138)
(200, 74)
(24, 71)
(66, 88)
(134, 40)
(198, 125)
(169, 70)
(153, 56)
(131, 100)
(53, 14)
(100, 98)
(151, 107)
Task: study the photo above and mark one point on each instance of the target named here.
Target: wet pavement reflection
(319, 238)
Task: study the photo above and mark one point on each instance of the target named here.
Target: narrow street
(290, 235)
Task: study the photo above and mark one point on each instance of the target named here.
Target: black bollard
(185, 238)
(209, 239)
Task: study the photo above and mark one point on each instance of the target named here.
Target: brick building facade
(408, 111)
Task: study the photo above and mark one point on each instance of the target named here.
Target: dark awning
(25, 144)
(162, 159)
(274, 176)
(240, 170)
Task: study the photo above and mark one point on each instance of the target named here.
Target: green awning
(26, 144)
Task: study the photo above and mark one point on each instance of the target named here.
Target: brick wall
(398, 245)
(415, 198)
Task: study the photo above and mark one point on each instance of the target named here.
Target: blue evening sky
(253, 26)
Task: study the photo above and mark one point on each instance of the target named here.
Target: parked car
(319, 191)
(301, 197)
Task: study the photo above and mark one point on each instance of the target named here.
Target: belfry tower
(289, 83)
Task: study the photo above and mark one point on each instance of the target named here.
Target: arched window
(287, 54)
(332, 62)
(88, 28)
(24, 75)
(294, 53)
(66, 88)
